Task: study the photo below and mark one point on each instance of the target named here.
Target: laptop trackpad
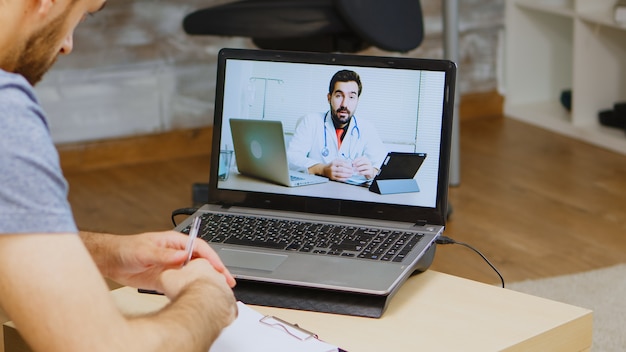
(234, 258)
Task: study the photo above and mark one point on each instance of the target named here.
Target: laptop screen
(348, 112)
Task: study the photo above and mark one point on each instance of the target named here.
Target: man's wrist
(317, 169)
(100, 247)
(202, 304)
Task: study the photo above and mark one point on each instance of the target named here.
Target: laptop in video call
(260, 152)
(407, 102)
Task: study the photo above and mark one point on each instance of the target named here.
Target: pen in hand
(193, 233)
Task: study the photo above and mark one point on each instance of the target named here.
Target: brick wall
(134, 71)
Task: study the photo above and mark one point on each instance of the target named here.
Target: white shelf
(555, 45)
(555, 118)
(556, 7)
(550, 114)
(601, 17)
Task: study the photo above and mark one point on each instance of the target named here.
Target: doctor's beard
(341, 121)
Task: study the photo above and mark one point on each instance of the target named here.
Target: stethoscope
(325, 151)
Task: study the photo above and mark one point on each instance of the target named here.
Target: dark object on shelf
(620, 109)
(315, 25)
(614, 118)
(566, 99)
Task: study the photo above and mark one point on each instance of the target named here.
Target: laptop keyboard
(296, 178)
(309, 237)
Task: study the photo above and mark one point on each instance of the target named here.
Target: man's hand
(48, 285)
(174, 281)
(363, 166)
(338, 169)
(139, 260)
(206, 296)
(199, 273)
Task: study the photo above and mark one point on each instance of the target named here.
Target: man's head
(44, 30)
(343, 96)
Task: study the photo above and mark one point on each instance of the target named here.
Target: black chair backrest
(315, 25)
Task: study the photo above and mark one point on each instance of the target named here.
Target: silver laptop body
(260, 152)
(427, 89)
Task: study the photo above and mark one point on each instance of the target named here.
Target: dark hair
(344, 76)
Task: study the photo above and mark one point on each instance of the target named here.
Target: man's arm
(375, 150)
(318, 169)
(53, 291)
(302, 142)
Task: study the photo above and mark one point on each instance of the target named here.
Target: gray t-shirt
(33, 191)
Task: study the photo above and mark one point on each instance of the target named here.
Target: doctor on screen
(336, 144)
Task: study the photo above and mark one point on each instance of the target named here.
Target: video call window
(404, 107)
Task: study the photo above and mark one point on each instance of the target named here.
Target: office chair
(315, 25)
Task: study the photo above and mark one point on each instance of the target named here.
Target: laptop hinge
(421, 223)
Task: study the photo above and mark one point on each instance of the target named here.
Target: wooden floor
(535, 203)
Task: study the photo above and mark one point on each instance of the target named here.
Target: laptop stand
(319, 300)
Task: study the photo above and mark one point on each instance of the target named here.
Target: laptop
(260, 152)
(373, 242)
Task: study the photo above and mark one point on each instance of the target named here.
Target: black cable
(448, 240)
(182, 211)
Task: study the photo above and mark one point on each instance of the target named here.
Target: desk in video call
(331, 189)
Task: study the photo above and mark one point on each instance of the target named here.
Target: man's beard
(40, 51)
(339, 121)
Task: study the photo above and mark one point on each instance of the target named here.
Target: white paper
(248, 333)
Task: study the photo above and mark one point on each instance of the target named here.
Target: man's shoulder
(8, 79)
(18, 101)
(314, 116)
(311, 119)
(365, 123)
(15, 87)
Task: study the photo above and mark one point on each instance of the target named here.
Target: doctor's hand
(338, 169)
(363, 166)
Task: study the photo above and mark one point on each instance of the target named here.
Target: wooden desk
(431, 312)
